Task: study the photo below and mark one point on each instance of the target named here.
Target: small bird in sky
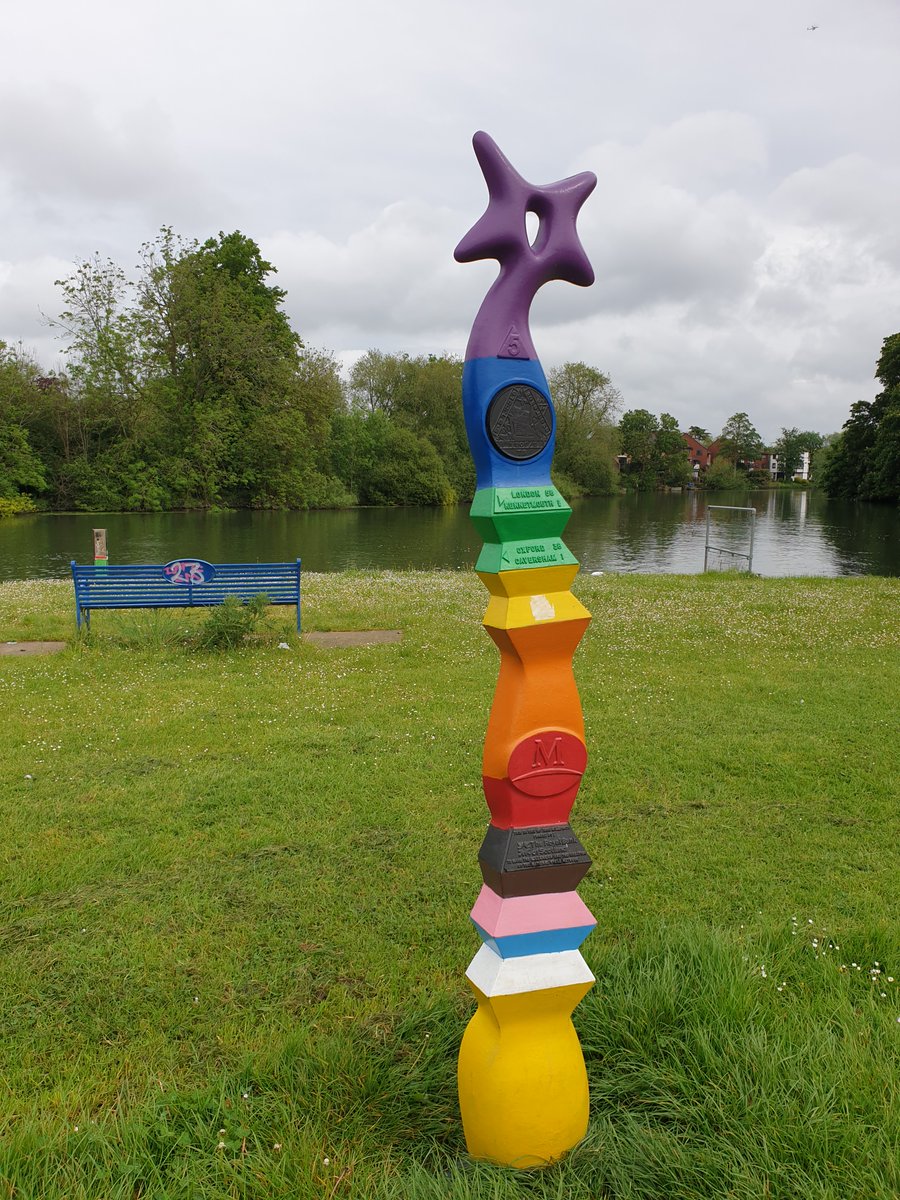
(809, 28)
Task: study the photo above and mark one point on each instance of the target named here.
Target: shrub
(722, 476)
(11, 505)
(396, 466)
(228, 624)
(566, 486)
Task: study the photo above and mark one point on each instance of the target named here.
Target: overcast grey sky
(745, 230)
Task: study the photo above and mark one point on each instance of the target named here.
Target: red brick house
(699, 456)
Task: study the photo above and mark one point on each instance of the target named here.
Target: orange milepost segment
(535, 688)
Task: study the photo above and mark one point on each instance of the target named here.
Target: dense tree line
(587, 438)
(653, 450)
(653, 453)
(185, 387)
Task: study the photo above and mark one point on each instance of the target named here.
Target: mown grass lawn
(235, 887)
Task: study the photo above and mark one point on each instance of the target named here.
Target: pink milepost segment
(507, 916)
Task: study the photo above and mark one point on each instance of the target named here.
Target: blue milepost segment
(544, 941)
(483, 379)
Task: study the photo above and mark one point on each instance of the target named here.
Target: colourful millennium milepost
(523, 1090)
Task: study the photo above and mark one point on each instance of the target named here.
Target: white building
(802, 472)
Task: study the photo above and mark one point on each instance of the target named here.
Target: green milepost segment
(518, 514)
(516, 556)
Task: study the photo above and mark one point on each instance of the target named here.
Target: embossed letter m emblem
(543, 757)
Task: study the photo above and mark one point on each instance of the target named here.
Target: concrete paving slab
(354, 637)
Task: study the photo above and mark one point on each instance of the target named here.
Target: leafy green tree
(378, 382)
(739, 442)
(393, 465)
(821, 455)
(656, 450)
(586, 404)
(432, 408)
(97, 412)
(864, 462)
(722, 475)
(247, 406)
(580, 391)
(789, 448)
(887, 370)
(22, 472)
(812, 441)
(423, 395)
(883, 478)
(848, 462)
(637, 429)
(190, 388)
(701, 434)
(106, 426)
(19, 379)
(672, 457)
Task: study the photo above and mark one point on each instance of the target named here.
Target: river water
(796, 533)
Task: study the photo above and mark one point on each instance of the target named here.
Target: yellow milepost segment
(532, 596)
(539, 608)
(529, 581)
(523, 1089)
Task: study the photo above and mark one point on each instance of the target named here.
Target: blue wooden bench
(183, 583)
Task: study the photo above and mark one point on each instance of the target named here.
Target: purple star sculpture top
(501, 327)
(510, 420)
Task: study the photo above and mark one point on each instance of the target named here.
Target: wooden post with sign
(101, 558)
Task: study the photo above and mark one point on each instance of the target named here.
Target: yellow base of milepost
(523, 1089)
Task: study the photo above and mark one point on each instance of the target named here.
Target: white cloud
(27, 298)
(58, 149)
(853, 196)
(395, 275)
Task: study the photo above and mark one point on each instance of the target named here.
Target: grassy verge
(233, 913)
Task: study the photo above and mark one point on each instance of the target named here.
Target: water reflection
(641, 532)
(864, 538)
(797, 533)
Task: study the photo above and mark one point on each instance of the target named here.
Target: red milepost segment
(541, 782)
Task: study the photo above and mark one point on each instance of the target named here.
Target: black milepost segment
(528, 862)
(519, 421)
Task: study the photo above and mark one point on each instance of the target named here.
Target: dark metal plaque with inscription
(519, 421)
(527, 862)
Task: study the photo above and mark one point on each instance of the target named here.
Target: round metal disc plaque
(519, 421)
